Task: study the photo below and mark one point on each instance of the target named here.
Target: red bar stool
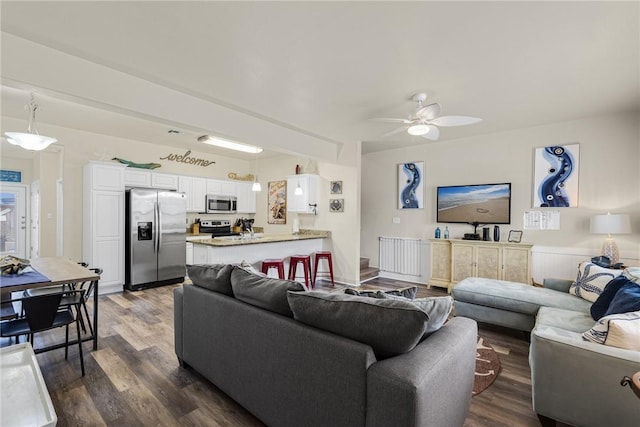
(273, 263)
(323, 255)
(306, 264)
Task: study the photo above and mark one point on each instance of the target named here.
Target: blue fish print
(409, 198)
(551, 190)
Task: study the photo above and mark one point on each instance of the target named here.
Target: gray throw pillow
(408, 292)
(215, 277)
(389, 326)
(437, 308)
(263, 292)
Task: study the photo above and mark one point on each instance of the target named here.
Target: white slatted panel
(401, 255)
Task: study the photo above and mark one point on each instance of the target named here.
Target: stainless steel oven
(220, 204)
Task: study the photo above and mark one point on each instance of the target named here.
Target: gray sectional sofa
(287, 373)
(573, 381)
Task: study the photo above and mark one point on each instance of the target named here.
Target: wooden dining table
(58, 270)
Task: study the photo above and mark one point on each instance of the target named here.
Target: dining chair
(70, 299)
(43, 313)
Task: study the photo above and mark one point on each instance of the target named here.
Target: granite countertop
(265, 238)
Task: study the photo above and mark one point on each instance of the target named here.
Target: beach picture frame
(556, 170)
(515, 236)
(277, 202)
(411, 185)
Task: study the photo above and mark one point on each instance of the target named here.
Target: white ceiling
(322, 69)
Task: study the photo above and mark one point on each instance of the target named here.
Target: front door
(13, 220)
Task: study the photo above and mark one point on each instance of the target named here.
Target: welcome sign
(185, 158)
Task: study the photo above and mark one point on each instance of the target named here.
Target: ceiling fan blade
(454, 121)
(433, 134)
(393, 132)
(390, 120)
(429, 112)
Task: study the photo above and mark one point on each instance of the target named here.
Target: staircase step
(364, 263)
(368, 273)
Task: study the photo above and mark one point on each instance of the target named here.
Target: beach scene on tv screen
(486, 204)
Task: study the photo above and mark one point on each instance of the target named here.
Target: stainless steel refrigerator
(155, 250)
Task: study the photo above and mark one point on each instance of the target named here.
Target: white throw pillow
(617, 330)
(591, 280)
(632, 273)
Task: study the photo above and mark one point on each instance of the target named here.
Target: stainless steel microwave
(220, 204)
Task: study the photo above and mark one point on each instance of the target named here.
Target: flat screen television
(475, 204)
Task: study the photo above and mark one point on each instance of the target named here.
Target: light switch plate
(396, 220)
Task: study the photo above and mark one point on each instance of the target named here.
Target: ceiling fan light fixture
(417, 130)
(231, 145)
(30, 140)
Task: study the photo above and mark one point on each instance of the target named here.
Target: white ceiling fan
(425, 120)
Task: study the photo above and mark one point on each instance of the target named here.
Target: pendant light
(256, 185)
(298, 191)
(30, 140)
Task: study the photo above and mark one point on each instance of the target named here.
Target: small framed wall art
(515, 236)
(277, 210)
(410, 185)
(336, 205)
(335, 187)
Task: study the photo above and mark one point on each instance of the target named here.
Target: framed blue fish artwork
(555, 176)
(411, 185)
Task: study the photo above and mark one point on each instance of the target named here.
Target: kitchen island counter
(234, 249)
(265, 238)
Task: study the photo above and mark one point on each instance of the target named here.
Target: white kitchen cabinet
(246, 197)
(164, 180)
(189, 254)
(200, 254)
(221, 188)
(105, 176)
(308, 201)
(137, 178)
(103, 222)
(195, 189)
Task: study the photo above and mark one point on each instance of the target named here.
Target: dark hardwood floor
(134, 378)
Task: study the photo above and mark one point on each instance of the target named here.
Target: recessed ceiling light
(224, 143)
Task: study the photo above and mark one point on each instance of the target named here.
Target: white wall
(609, 181)
(81, 147)
(344, 226)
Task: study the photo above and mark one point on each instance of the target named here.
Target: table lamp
(610, 224)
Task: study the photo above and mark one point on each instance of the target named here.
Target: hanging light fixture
(298, 191)
(418, 130)
(30, 140)
(256, 185)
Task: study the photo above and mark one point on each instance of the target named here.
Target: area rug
(487, 366)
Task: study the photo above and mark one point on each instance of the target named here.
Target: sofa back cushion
(215, 277)
(389, 326)
(591, 280)
(263, 292)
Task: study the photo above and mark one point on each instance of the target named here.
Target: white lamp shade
(29, 141)
(610, 224)
(256, 186)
